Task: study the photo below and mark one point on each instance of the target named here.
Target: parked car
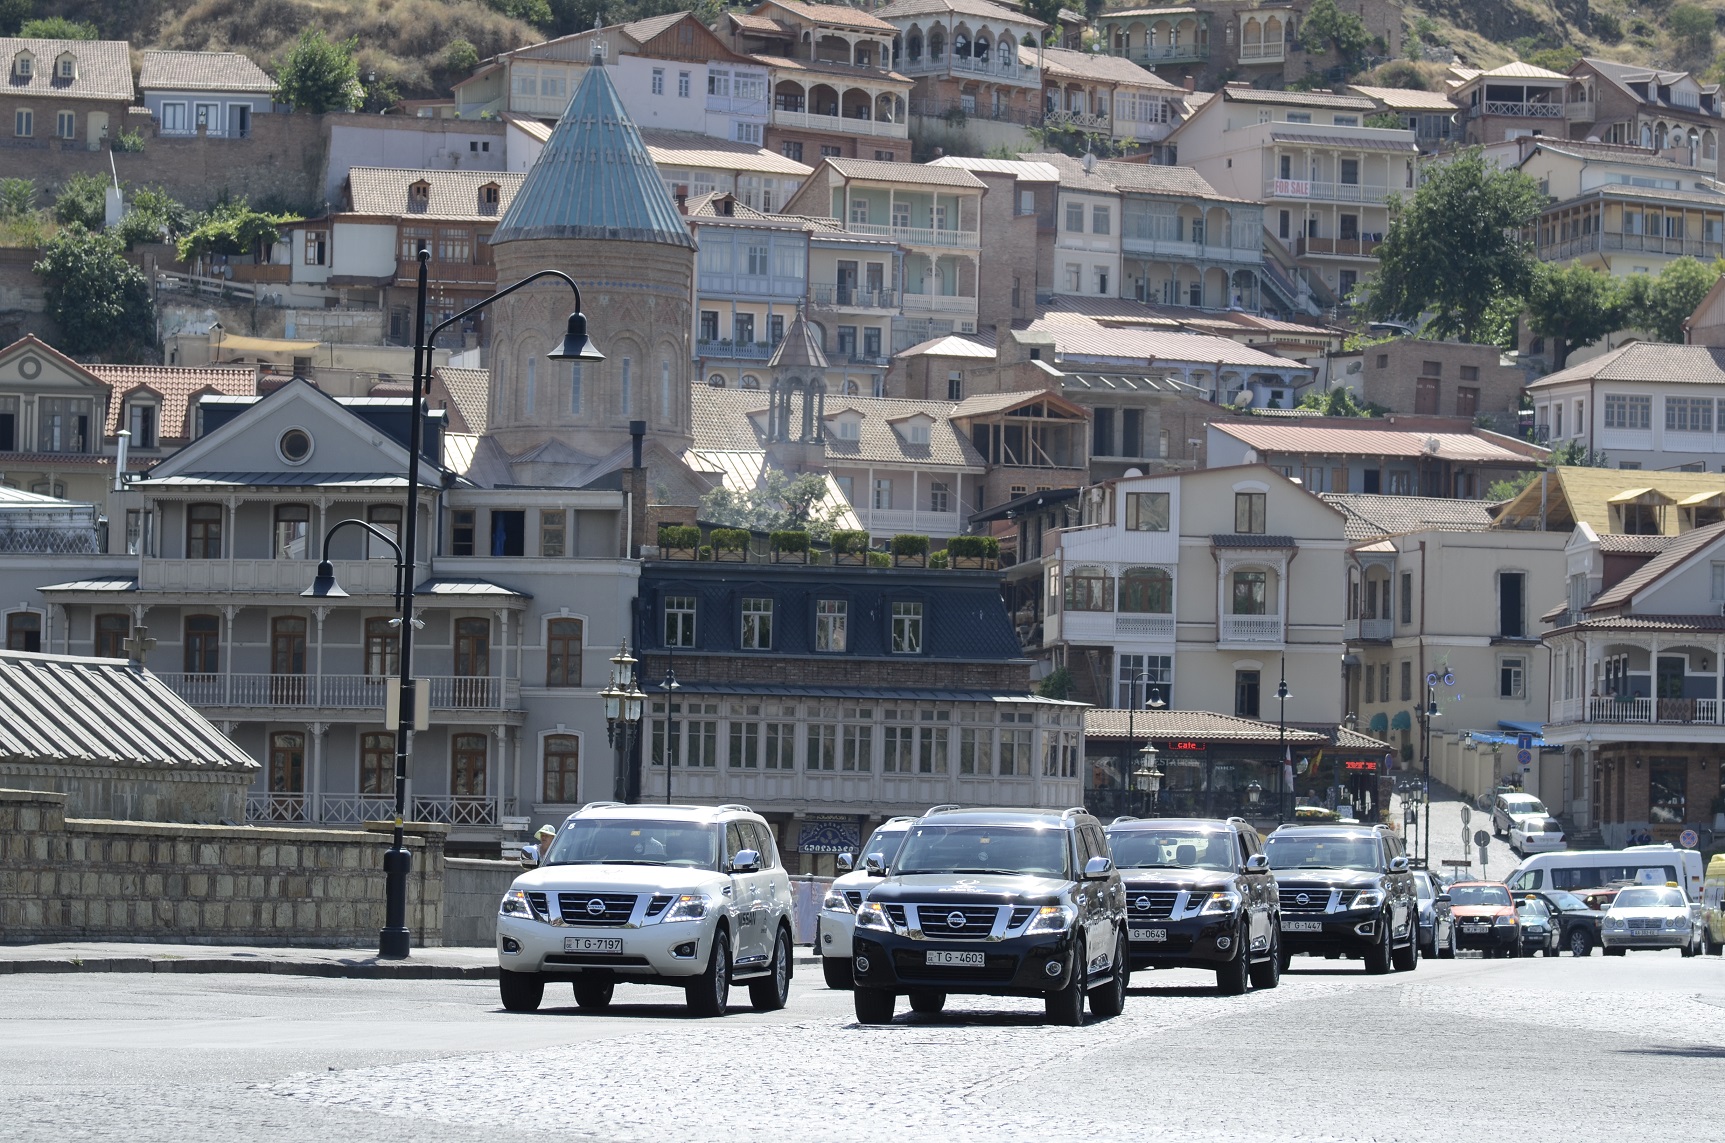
(1536, 833)
(1437, 923)
(1510, 805)
(1652, 917)
(1713, 906)
(1582, 870)
(1539, 929)
(1200, 894)
(1485, 914)
(1346, 890)
(845, 896)
(1578, 922)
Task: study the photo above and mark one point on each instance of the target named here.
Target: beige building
(1673, 112)
(1507, 102)
(1440, 378)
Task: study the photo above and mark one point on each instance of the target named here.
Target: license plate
(1302, 926)
(1147, 934)
(1476, 928)
(952, 959)
(593, 944)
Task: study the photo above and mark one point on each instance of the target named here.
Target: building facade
(73, 94)
(1644, 405)
(204, 93)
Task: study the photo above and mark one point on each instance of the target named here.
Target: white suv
(845, 896)
(686, 895)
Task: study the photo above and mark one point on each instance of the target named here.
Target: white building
(1644, 406)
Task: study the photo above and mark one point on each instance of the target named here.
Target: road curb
(362, 970)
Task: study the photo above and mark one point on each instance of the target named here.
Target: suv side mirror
(1443, 898)
(746, 861)
(1258, 863)
(1098, 868)
(875, 864)
(844, 863)
(529, 857)
(1398, 865)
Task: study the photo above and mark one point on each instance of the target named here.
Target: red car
(1485, 917)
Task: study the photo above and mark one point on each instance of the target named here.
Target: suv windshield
(612, 841)
(1173, 849)
(1479, 895)
(1568, 902)
(1317, 851)
(1667, 898)
(885, 842)
(983, 849)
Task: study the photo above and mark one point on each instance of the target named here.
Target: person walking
(541, 843)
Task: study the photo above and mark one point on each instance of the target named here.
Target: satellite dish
(1432, 445)
(1245, 397)
(1133, 472)
(1355, 366)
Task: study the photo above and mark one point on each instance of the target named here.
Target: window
(287, 766)
(824, 742)
(907, 628)
(1075, 217)
(1407, 680)
(682, 85)
(63, 424)
(1251, 593)
(24, 123)
(461, 532)
(66, 125)
(939, 496)
(858, 740)
(1100, 223)
(1246, 694)
(831, 151)
(955, 386)
(831, 619)
(109, 636)
(780, 739)
(1470, 373)
(757, 258)
(1016, 746)
(709, 325)
(141, 423)
(745, 752)
(859, 211)
(1147, 511)
(757, 624)
(467, 766)
(791, 149)
(1407, 612)
(563, 652)
(553, 532)
(386, 518)
(376, 763)
(1101, 275)
(898, 743)
(1249, 513)
(882, 488)
(24, 631)
(1350, 172)
(679, 621)
(1371, 684)
(931, 742)
(1689, 414)
(292, 532)
(976, 750)
(202, 645)
(1626, 412)
(1512, 678)
(1509, 603)
(1299, 117)
(1074, 277)
(382, 648)
(743, 329)
(1147, 591)
(1089, 589)
(203, 531)
(472, 652)
(1144, 677)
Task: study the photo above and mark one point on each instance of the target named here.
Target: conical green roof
(594, 179)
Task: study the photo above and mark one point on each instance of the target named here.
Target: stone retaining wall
(83, 879)
(472, 888)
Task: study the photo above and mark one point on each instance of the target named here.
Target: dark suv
(997, 903)
(1346, 891)
(1199, 894)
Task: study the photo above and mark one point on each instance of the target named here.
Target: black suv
(997, 903)
(1346, 891)
(1199, 894)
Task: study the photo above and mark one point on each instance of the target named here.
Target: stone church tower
(594, 207)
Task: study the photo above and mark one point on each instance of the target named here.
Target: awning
(1402, 721)
(226, 341)
(1509, 734)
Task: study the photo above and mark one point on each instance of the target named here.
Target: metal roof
(115, 584)
(1128, 383)
(467, 587)
(1351, 143)
(1286, 438)
(1024, 170)
(594, 179)
(283, 479)
(65, 708)
(1251, 540)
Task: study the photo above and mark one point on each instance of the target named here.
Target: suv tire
(770, 992)
(1235, 977)
(521, 991)
(1378, 956)
(927, 1002)
(1268, 972)
(1447, 952)
(873, 1005)
(1406, 959)
(1065, 1007)
(837, 970)
(709, 993)
(1580, 944)
(594, 995)
(1109, 1001)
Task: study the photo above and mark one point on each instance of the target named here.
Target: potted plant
(909, 551)
(730, 545)
(939, 560)
(790, 547)
(974, 552)
(850, 549)
(679, 541)
(879, 559)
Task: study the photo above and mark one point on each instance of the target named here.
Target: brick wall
(87, 879)
(1400, 376)
(696, 668)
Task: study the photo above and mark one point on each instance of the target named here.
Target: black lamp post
(394, 942)
(671, 688)
(623, 703)
(1282, 695)
(1428, 712)
(1152, 701)
(1147, 779)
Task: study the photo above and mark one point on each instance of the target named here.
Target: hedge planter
(910, 551)
(679, 541)
(850, 549)
(789, 547)
(974, 552)
(730, 545)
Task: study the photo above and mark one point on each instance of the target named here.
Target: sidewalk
(104, 956)
(1447, 834)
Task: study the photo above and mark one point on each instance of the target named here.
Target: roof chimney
(1190, 83)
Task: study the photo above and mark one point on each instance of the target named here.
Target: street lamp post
(623, 703)
(394, 941)
(1428, 712)
(1282, 696)
(1147, 779)
(1152, 701)
(671, 743)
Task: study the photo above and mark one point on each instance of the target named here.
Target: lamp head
(632, 699)
(1282, 691)
(625, 666)
(575, 345)
(1154, 702)
(323, 585)
(613, 697)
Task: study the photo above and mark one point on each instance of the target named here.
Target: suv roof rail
(943, 808)
(600, 806)
(901, 818)
(1238, 818)
(736, 806)
(1123, 818)
(1073, 811)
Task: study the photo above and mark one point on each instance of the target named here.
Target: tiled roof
(1634, 545)
(202, 71)
(643, 30)
(1346, 739)
(1313, 440)
(595, 179)
(904, 9)
(1308, 138)
(1094, 66)
(1370, 515)
(1073, 176)
(1677, 550)
(1235, 94)
(104, 69)
(72, 710)
(1022, 170)
(470, 392)
(1405, 99)
(1622, 75)
(985, 403)
(1251, 540)
(724, 420)
(1654, 623)
(176, 385)
(1153, 178)
(1646, 361)
(840, 14)
(920, 173)
(1609, 152)
(454, 194)
(1194, 725)
(759, 25)
(822, 67)
(692, 149)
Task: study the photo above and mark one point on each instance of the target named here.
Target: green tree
(82, 201)
(1057, 684)
(1660, 305)
(1509, 488)
(1574, 454)
(231, 227)
(17, 198)
(100, 301)
(1328, 28)
(1388, 120)
(1456, 248)
(57, 28)
(153, 215)
(13, 13)
(1337, 402)
(1555, 59)
(535, 12)
(1691, 28)
(780, 503)
(318, 75)
(460, 57)
(1573, 306)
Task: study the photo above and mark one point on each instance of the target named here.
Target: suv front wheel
(1066, 1005)
(1109, 1001)
(1378, 956)
(770, 994)
(521, 991)
(874, 1005)
(709, 993)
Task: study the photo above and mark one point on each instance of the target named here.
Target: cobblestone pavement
(1451, 839)
(1331, 1055)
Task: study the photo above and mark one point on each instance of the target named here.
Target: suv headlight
(688, 907)
(1220, 903)
(515, 904)
(872, 916)
(1370, 899)
(1507, 919)
(835, 900)
(1052, 919)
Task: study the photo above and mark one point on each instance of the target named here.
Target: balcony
(1338, 247)
(357, 577)
(959, 111)
(961, 304)
(1263, 53)
(1524, 110)
(1368, 630)
(1255, 629)
(852, 298)
(1168, 54)
(741, 351)
(357, 693)
(1316, 191)
(840, 124)
(1157, 628)
(1079, 119)
(1581, 111)
(1150, 247)
(1610, 709)
(902, 521)
(1633, 243)
(1012, 72)
(358, 809)
(447, 273)
(953, 239)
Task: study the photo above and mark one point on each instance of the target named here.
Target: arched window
(914, 48)
(716, 381)
(1089, 589)
(1147, 591)
(1006, 50)
(750, 381)
(960, 45)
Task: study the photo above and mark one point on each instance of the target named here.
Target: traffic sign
(1482, 839)
(1466, 815)
(1524, 742)
(1688, 839)
(1525, 757)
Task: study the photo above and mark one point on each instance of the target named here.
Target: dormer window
(419, 197)
(141, 422)
(847, 427)
(66, 67)
(23, 65)
(489, 194)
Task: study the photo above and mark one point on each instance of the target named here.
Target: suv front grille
(1315, 900)
(537, 900)
(657, 904)
(1021, 915)
(578, 908)
(975, 921)
(1151, 904)
(854, 898)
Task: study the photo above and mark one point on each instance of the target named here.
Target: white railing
(1367, 629)
(1668, 711)
(1251, 629)
(1525, 110)
(919, 235)
(337, 692)
(1264, 53)
(1326, 191)
(1158, 627)
(939, 303)
(1169, 248)
(1580, 110)
(1084, 119)
(357, 809)
(897, 521)
(459, 810)
(356, 577)
(843, 123)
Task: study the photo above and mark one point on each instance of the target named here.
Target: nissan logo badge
(1302, 899)
(955, 920)
(596, 907)
(1142, 904)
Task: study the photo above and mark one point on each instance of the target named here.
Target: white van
(1598, 868)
